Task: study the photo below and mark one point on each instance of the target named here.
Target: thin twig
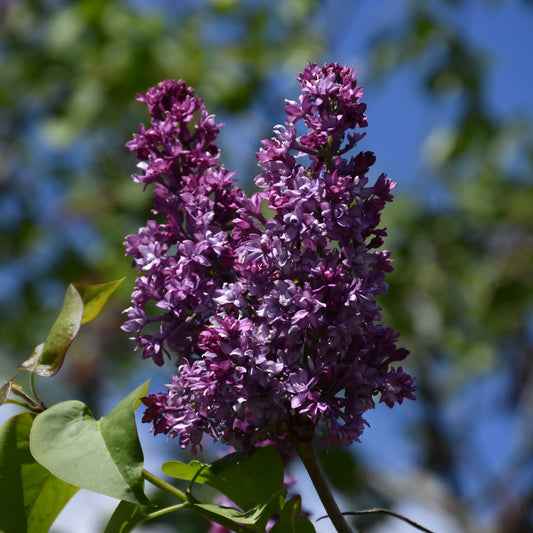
(387, 512)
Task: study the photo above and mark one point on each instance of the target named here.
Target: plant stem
(32, 384)
(38, 402)
(188, 501)
(165, 510)
(32, 407)
(35, 405)
(308, 457)
(17, 389)
(164, 486)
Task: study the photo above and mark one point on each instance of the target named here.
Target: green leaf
(5, 389)
(214, 511)
(341, 469)
(104, 456)
(127, 515)
(291, 519)
(82, 304)
(256, 516)
(246, 481)
(30, 496)
(47, 357)
(94, 297)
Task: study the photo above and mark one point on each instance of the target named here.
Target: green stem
(308, 457)
(188, 502)
(166, 487)
(35, 405)
(32, 384)
(166, 510)
(329, 155)
(38, 402)
(15, 389)
(31, 407)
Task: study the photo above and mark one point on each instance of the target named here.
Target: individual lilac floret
(272, 322)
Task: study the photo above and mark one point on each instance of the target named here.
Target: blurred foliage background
(461, 227)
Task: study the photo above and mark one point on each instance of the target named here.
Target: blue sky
(400, 117)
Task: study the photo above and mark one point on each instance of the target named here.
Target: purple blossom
(272, 323)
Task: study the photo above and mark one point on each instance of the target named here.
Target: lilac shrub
(265, 303)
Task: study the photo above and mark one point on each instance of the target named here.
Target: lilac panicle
(183, 261)
(272, 322)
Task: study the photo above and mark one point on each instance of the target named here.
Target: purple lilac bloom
(272, 322)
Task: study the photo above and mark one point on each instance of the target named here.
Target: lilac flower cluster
(271, 319)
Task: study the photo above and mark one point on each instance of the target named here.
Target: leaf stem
(306, 452)
(35, 405)
(188, 502)
(38, 402)
(31, 407)
(19, 392)
(166, 487)
(165, 510)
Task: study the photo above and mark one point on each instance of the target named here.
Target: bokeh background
(449, 93)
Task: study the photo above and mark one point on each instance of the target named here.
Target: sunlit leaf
(94, 297)
(104, 456)
(47, 358)
(82, 304)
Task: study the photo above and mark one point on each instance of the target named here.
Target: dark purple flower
(272, 322)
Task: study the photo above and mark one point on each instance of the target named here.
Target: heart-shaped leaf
(248, 482)
(82, 304)
(30, 496)
(104, 456)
